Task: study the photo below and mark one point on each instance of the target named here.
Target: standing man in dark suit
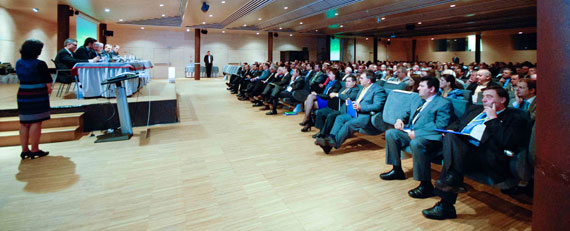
(86, 51)
(64, 60)
(416, 129)
(209, 60)
(370, 99)
(455, 59)
(497, 129)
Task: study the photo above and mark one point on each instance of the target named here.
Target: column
(375, 44)
(63, 13)
(551, 204)
(270, 46)
(414, 42)
(478, 47)
(197, 58)
(102, 29)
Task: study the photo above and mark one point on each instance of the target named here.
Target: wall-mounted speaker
(109, 33)
(410, 26)
(275, 34)
(204, 31)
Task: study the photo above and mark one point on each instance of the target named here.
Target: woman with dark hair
(333, 86)
(448, 87)
(33, 97)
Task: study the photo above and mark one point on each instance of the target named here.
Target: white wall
(175, 46)
(16, 27)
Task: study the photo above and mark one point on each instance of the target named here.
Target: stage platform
(101, 113)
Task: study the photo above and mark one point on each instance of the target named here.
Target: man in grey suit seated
(416, 129)
(370, 99)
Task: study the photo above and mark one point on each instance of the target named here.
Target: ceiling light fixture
(280, 28)
(285, 8)
(244, 25)
(223, 2)
(432, 39)
(187, 29)
(341, 26)
(388, 40)
(290, 35)
(259, 19)
(335, 14)
(163, 15)
(211, 15)
(203, 23)
(301, 23)
(120, 20)
(35, 10)
(383, 18)
(520, 32)
(107, 10)
(316, 30)
(257, 33)
(142, 27)
(223, 32)
(419, 23)
(452, 6)
(161, 5)
(366, 38)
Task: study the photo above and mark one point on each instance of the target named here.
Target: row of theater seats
(398, 100)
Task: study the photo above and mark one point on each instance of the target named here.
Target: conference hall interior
(284, 115)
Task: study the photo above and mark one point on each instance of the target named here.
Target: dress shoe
(451, 182)
(265, 108)
(439, 212)
(324, 144)
(421, 192)
(39, 153)
(257, 104)
(271, 113)
(515, 190)
(25, 155)
(394, 174)
(316, 135)
(234, 92)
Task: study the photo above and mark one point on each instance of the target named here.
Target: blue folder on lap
(452, 132)
(350, 109)
(322, 102)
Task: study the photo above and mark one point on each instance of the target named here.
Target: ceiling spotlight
(520, 32)
(107, 10)
(223, 32)
(259, 19)
(341, 26)
(432, 39)
(383, 18)
(316, 30)
(142, 27)
(187, 29)
(290, 35)
(203, 22)
(35, 10)
(161, 5)
(211, 15)
(244, 24)
(335, 14)
(280, 28)
(163, 15)
(223, 2)
(285, 8)
(451, 6)
(120, 20)
(301, 23)
(257, 33)
(388, 40)
(366, 38)
(419, 23)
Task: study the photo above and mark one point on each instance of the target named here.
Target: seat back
(396, 105)
(459, 107)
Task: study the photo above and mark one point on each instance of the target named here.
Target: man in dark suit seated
(370, 99)
(258, 84)
(493, 129)
(296, 83)
(86, 51)
(416, 129)
(64, 60)
(274, 88)
(483, 80)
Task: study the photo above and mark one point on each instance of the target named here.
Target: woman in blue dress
(448, 87)
(33, 97)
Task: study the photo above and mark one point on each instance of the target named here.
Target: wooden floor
(227, 166)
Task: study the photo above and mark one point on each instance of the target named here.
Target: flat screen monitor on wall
(524, 41)
(335, 49)
(86, 27)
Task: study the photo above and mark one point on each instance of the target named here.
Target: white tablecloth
(92, 74)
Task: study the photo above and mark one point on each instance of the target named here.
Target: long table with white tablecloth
(91, 75)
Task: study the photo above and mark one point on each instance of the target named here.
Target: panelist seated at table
(99, 50)
(64, 60)
(86, 51)
(107, 52)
